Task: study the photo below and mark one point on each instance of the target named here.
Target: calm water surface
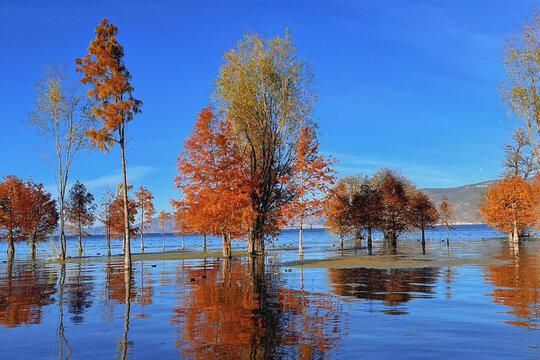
(242, 309)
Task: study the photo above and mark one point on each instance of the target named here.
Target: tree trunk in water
(423, 242)
(127, 252)
(226, 245)
(142, 243)
(447, 237)
(204, 243)
(341, 242)
(108, 244)
(33, 249)
(80, 242)
(183, 243)
(394, 240)
(11, 247)
(369, 241)
(256, 240)
(163, 241)
(300, 249)
(515, 233)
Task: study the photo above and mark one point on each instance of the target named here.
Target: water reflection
(234, 309)
(393, 287)
(517, 283)
(78, 290)
(24, 290)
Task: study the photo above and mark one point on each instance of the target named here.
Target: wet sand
(392, 262)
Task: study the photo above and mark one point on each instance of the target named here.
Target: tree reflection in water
(79, 293)
(237, 310)
(24, 290)
(393, 287)
(517, 283)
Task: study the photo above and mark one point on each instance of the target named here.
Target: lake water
(244, 309)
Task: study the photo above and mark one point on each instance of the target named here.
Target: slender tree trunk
(163, 240)
(341, 242)
(183, 243)
(515, 233)
(300, 248)
(142, 229)
(62, 190)
(127, 252)
(204, 243)
(447, 237)
(423, 241)
(80, 241)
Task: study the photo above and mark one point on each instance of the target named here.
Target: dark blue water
(210, 308)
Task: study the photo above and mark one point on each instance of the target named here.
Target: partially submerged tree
(146, 206)
(509, 206)
(80, 211)
(423, 214)
(337, 211)
(105, 216)
(213, 179)
(518, 158)
(104, 69)
(267, 93)
(60, 115)
(311, 176)
(116, 210)
(393, 189)
(41, 216)
(446, 212)
(12, 210)
(163, 219)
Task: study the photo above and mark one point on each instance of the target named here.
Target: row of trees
(28, 213)
(386, 201)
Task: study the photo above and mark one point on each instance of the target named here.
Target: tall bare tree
(518, 156)
(61, 113)
(520, 89)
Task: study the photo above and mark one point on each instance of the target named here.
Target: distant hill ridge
(465, 200)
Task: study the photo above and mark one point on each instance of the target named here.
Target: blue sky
(409, 85)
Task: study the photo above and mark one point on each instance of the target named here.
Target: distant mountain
(465, 199)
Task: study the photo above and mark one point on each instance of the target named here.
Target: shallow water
(210, 308)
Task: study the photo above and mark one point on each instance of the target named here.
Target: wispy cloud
(134, 173)
(424, 175)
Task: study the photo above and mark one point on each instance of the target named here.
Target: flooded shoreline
(333, 304)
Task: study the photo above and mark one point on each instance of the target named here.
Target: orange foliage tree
(146, 206)
(104, 69)
(337, 211)
(12, 207)
(41, 216)
(423, 214)
(509, 206)
(311, 176)
(446, 212)
(213, 179)
(116, 211)
(393, 189)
